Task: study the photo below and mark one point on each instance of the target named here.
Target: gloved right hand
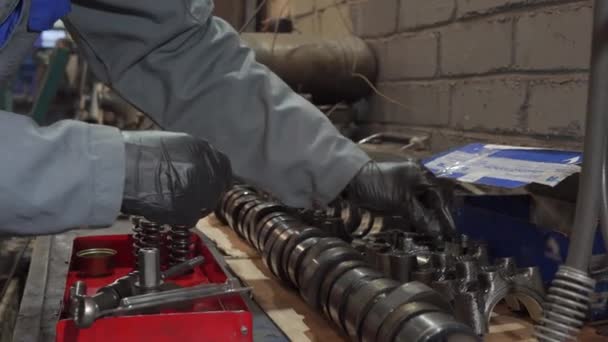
(404, 188)
(172, 177)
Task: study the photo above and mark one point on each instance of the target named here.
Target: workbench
(278, 312)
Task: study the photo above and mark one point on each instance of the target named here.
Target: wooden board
(300, 323)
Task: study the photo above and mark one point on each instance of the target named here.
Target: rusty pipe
(325, 68)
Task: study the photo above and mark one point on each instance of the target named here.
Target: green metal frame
(50, 84)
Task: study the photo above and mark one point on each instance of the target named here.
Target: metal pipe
(604, 200)
(325, 68)
(587, 204)
(570, 293)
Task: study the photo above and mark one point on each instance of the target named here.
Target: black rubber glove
(403, 188)
(172, 178)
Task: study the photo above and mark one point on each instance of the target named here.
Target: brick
(488, 104)
(423, 103)
(410, 56)
(472, 7)
(302, 7)
(374, 18)
(416, 13)
(335, 21)
(558, 108)
(554, 39)
(476, 47)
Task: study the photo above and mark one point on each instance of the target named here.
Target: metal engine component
(315, 270)
(435, 327)
(89, 311)
(180, 244)
(379, 313)
(325, 68)
(333, 276)
(568, 301)
(475, 290)
(148, 279)
(361, 301)
(339, 296)
(146, 234)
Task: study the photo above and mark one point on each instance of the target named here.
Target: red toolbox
(225, 319)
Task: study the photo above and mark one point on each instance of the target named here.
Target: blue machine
(504, 223)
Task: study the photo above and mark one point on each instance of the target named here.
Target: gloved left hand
(172, 178)
(403, 188)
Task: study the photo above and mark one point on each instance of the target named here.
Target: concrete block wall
(470, 67)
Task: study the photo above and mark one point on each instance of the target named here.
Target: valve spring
(568, 301)
(136, 221)
(180, 244)
(147, 234)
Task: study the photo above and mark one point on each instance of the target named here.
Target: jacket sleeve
(65, 176)
(190, 72)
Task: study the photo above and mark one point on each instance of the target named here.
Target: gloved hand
(172, 178)
(403, 188)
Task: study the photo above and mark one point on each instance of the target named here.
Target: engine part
(240, 220)
(78, 290)
(149, 278)
(109, 296)
(95, 262)
(315, 271)
(137, 230)
(568, 303)
(234, 207)
(183, 268)
(569, 295)
(330, 273)
(146, 235)
(180, 244)
(324, 68)
(360, 302)
(88, 311)
(435, 327)
(475, 290)
(343, 287)
(401, 295)
(296, 257)
(332, 277)
(270, 245)
(426, 276)
(300, 234)
(401, 265)
(228, 197)
(391, 325)
(255, 215)
(278, 222)
(308, 255)
(277, 252)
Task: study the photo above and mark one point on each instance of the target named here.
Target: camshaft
(333, 277)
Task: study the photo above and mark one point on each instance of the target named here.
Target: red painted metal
(226, 319)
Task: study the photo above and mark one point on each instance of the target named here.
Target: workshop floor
(300, 323)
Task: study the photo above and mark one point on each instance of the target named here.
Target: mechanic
(190, 73)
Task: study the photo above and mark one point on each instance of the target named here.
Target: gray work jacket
(189, 72)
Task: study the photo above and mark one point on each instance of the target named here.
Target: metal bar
(50, 84)
(587, 204)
